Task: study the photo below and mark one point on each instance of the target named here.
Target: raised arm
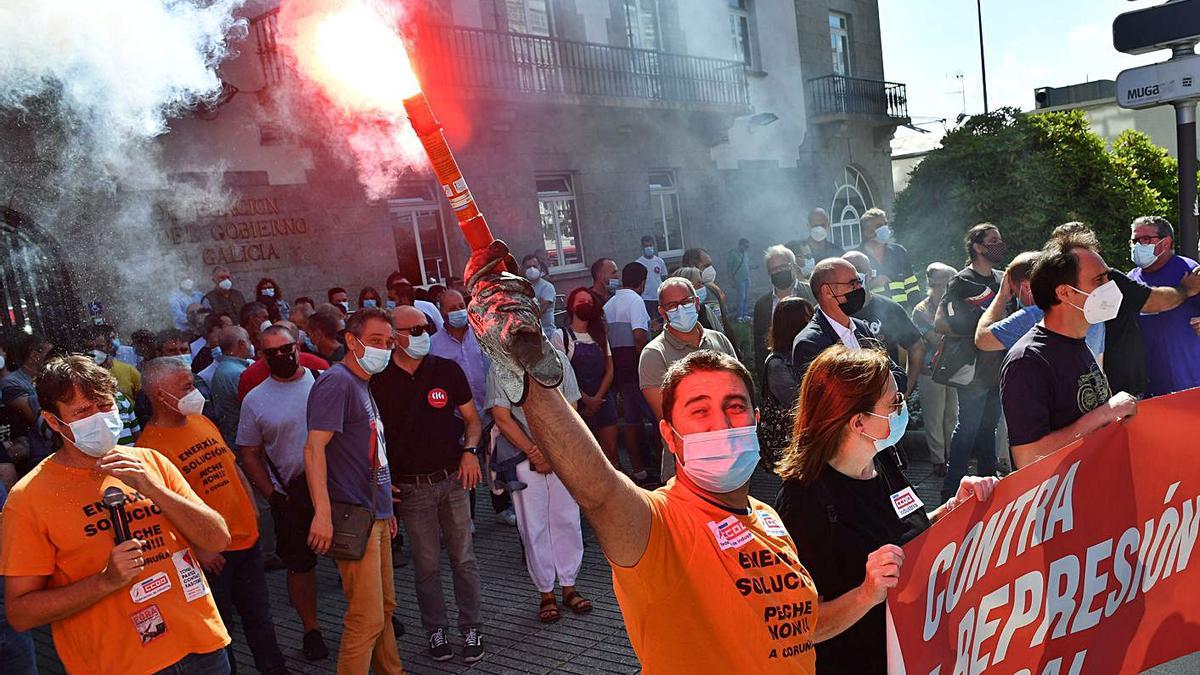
(991, 316)
(617, 509)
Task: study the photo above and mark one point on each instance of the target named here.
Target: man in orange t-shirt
(707, 578)
(139, 606)
(195, 446)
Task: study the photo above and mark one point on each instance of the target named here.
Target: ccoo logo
(438, 398)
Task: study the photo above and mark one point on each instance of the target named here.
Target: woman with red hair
(845, 500)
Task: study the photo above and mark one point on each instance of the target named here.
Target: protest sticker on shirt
(150, 587)
(1082, 562)
(191, 579)
(771, 524)
(905, 502)
(149, 624)
(730, 533)
(438, 398)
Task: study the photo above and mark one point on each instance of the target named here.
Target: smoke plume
(85, 88)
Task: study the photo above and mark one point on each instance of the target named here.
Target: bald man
(839, 292)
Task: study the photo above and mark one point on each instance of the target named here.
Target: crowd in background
(387, 398)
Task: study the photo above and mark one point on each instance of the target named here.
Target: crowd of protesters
(257, 435)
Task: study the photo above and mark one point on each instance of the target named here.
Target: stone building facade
(580, 125)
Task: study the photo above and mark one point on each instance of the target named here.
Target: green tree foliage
(1027, 174)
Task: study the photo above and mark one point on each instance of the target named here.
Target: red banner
(1080, 563)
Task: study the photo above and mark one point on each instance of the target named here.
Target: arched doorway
(851, 198)
(36, 294)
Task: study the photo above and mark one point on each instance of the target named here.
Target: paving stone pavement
(516, 642)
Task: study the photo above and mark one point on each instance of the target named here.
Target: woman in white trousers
(547, 516)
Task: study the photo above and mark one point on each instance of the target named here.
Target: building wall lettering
(235, 235)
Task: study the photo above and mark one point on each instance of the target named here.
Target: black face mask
(853, 301)
(284, 366)
(783, 279)
(995, 252)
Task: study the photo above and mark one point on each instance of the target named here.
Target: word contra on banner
(1080, 563)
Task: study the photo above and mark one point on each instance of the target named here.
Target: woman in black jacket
(845, 501)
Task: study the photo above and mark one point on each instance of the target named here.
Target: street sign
(1158, 27)
(1159, 83)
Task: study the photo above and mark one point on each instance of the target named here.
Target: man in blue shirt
(236, 351)
(1172, 345)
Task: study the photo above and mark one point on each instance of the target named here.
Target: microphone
(114, 499)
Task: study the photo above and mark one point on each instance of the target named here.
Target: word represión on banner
(1084, 556)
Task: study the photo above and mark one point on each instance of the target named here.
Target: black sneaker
(439, 647)
(397, 627)
(473, 646)
(314, 646)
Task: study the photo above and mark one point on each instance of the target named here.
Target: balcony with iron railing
(489, 63)
(840, 98)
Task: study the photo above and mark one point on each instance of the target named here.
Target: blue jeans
(16, 649)
(212, 663)
(242, 584)
(974, 436)
(743, 289)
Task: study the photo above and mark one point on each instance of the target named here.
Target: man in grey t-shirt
(345, 460)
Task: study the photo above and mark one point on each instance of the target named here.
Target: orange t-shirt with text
(55, 525)
(717, 591)
(197, 449)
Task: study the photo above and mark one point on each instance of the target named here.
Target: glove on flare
(505, 317)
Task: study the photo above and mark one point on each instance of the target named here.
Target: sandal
(576, 602)
(548, 611)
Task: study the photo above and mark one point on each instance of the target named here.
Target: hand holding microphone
(125, 561)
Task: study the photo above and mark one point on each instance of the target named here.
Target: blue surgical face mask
(418, 346)
(684, 317)
(391, 304)
(884, 234)
(368, 304)
(720, 461)
(648, 251)
(614, 284)
(702, 294)
(1143, 255)
(897, 425)
(457, 318)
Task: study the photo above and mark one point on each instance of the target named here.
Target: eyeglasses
(897, 402)
(415, 331)
(856, 284)
(1148, 239)
(281, 350)
(672, 306)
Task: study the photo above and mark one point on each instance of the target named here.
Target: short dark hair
(599, 265)
(249, 310)
(1058, 265)
(334, 291)
(691, 257)
(279, 329)
(405, 293)
(976, 235)
(212, 321)
(533, 256)
(304, 298)
(172, 335)
(647, 238)
(702, 361)
(24, 346)
(324, 321)
(57, 380)
(1162, 226)
(1079, 234)
(357, 322)
(743, 242)
(100, 330)
(633, 275)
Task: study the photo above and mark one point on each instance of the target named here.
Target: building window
(664, 204)
(641, 16)
(559, 220)
(839, 40)
(531, 17)
(419, 235)
(851, 199)
(739, 25)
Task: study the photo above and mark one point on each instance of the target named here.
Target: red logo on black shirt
(438, 398)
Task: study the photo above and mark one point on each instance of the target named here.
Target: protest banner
(1080, 563)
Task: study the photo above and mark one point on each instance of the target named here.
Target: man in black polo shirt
(428, 417)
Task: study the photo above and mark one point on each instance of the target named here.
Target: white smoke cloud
(85, 88)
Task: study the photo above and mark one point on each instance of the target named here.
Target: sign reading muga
(1080, 563)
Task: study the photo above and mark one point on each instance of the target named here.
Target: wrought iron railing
(504, 63)
(836, 95)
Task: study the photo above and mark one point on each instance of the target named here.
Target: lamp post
(982, 56)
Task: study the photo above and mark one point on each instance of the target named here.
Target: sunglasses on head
(282, 350)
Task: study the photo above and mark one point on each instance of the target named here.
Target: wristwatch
(473, 450)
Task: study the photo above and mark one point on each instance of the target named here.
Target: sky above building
(933, 47)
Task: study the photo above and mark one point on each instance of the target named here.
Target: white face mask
(1, 362)
(418, 346)
(819, 233)
(225, 284)
(192, 403)
(99, 357)
(187, 285)
(97, 434)
(264, 325)
(374, 360)
(268, 292)
(709, 274)
(533, 273)
(720, 461)
(1102, 304)
(186, 359)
